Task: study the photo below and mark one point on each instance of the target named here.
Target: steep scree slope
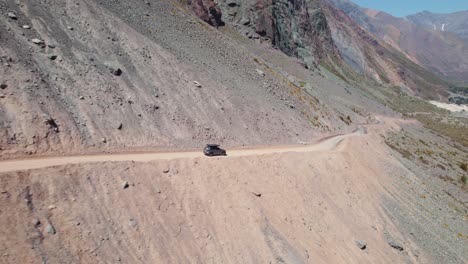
(119, 75)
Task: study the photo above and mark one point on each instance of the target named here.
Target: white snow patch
(443, 27)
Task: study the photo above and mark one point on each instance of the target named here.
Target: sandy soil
(271, 205)
(305, 204)
(450, 107)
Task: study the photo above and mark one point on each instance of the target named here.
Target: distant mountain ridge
(444, 52)
(321, 35)
(456, 23)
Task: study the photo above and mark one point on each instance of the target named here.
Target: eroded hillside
(110, 75)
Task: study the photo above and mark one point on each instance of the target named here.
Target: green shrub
(463, 179)
(464, 166)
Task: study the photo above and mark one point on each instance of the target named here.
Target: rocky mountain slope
(318, 35)
(442, 52)
(298, 28)
(456, 23)
(376, 59)
(363, 181)
(138, 77)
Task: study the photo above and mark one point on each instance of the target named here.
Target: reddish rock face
(208, 11)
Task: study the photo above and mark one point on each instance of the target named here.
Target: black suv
(214, 150)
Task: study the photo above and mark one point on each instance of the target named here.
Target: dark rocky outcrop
(298, 28)
(208, 11)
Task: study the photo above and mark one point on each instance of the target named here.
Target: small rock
(292, 106)
(244, 21)
(37, 41)
(133, 223)
(166, 171)
(197, 84)
(51, 122)
(36, 223)
(103, 140)
(52, 46)
(257, 194)
(50, 229)
(125, 185)
(26, 26)
(82, 98)
(120, 126)
(12, 15)
(395, 245)
(70, 28)
(117, 72)
(3, 86)
(261, 73)
(361, 244)
(52, 57)
(51, 207)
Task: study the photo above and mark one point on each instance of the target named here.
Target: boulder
(231, 3)
(51, 122)
(361, 244)
(12, 15)
(37, 41)
(260, 72)
(50, 229)
(395, 245)
(208, 11)
(197, 84)
(125, 185)
(36, 223)
(117, 72)
(244, 21)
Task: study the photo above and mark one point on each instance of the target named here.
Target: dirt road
(326, 144)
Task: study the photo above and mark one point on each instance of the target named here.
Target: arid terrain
(105, 107)
(292, 205)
